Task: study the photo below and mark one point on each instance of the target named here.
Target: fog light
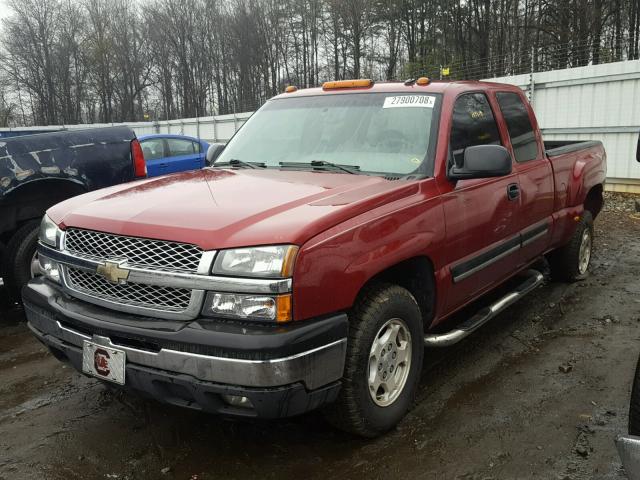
(237, 401)
(49, 268)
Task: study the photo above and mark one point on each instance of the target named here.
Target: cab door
(534, 174)
(481, 215)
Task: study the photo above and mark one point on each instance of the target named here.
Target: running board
(533, 279)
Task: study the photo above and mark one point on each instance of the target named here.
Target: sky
(4, 9)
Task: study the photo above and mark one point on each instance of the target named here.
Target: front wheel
(383, 362)
(571, 262)
(20, 261)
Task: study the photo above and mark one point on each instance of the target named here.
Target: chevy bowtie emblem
(113, 272)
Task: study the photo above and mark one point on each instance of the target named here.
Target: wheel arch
(416, 274)
(594, 200)
(32, 199)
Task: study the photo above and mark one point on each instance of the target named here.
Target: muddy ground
(541, 392)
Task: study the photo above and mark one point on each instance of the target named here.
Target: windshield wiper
(234, 162)
(352, 169)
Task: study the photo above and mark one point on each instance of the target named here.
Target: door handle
(513, 191)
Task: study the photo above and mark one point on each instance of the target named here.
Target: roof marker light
(291, 89)
(360, 83)
(423, 81)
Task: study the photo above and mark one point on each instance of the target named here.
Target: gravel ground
(540, 392)
(622, 203)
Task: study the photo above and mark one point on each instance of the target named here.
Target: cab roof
(434, 86)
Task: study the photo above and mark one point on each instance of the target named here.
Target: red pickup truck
(329, 243)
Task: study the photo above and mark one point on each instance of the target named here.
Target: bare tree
(112, 60)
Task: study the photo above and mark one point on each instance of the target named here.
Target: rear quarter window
(516, 116)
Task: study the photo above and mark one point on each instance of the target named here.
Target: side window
(153, 149)
(473, 124)
(196, 147)
(521, 132)
(178, 146)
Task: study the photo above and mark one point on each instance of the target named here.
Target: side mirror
(214, 151)
(483, 161)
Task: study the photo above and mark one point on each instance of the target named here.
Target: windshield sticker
(405, 101)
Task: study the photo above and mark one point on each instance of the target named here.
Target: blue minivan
(172, 153)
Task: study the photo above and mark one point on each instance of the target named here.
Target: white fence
(597, 102)
(212, 129)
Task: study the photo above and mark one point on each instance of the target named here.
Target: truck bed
(559, 147)
(571, 158)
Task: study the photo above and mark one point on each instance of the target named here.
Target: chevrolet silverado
(335, 237)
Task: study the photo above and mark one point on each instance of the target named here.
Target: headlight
(262, 262)
(249, 307)
(49, 232)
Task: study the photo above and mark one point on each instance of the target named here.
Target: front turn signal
(283, 310)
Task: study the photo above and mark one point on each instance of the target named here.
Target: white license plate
(103, 362)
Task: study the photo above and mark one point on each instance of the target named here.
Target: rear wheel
(19, 262)
(383, 363)
(571, 262)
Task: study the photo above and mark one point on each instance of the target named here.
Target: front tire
(383, 363)
(18, 258)
(570, 263)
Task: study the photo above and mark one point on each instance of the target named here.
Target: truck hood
(225, 208)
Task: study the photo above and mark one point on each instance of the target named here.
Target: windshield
(377, 133)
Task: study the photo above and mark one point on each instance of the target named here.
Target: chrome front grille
(138, 252)
(134, 294)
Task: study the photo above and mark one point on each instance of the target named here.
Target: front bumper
(283, 370)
